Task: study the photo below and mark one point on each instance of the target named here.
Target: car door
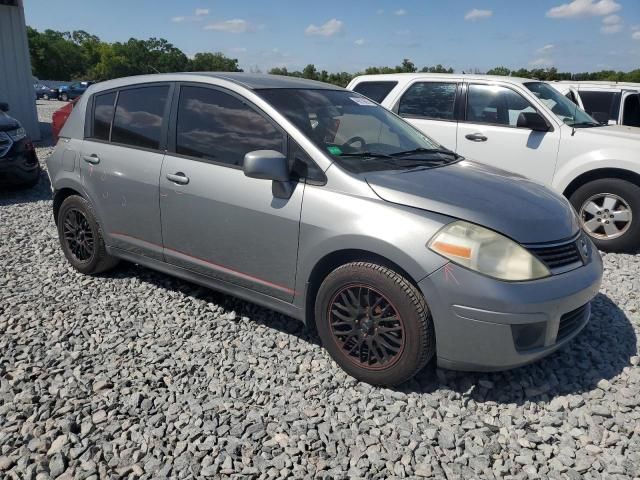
(431, 107)
(121, 160)
(215, 220)
(489, 133)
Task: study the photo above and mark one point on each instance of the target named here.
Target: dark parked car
(19, 164)
(74, 90)
(45, 93)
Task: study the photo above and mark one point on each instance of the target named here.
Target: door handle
(178, 177)
(476, 137)
(92, 159)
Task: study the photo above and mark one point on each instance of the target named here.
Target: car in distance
(59, 118)
(45, 93)
(316, 202)
(19, 166)
(529, 128)
(610, 103)
(74, 90)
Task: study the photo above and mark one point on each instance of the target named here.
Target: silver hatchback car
(317, 202)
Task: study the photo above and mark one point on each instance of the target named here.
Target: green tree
(502, 71)
(437, 69)
(213, 62)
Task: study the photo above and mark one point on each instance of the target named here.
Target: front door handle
(178, 177)
(92, 159)
(476, 137)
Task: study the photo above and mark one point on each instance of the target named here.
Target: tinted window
(376, 91)
(601, 102)
(430, 100)
(631, 115)
(139, 115)
(216, 126)
(103, 115)
(495, 105)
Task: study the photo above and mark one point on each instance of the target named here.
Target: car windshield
(357, 133)
(565, 109)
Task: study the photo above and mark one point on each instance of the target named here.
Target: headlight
(486, 252)
(17, 134)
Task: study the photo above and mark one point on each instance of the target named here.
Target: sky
(350, 35)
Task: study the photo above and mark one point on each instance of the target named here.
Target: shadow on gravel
(600, 352)
(18, 195)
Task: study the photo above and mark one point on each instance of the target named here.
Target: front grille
(570, 321)
(558, 258)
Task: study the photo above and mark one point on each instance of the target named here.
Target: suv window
(601, 102)
(103, 115)
(430, 100)
(139, 116)
(495, 105)
(376, 91)
(631, 114)
(217, 126)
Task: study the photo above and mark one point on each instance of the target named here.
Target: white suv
(528, 127)
(611, 103)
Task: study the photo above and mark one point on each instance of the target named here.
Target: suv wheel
(81, 237)
(374, 323)
(64, 97)
(609, 210)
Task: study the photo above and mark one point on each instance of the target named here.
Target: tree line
(79, 55)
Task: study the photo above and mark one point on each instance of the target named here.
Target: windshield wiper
(586, 124)
(416, 151)
(366, 154)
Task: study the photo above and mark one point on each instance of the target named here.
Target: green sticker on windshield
(333, 150)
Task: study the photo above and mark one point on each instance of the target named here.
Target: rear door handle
(178, 177)
(92, 159)
(476, 137)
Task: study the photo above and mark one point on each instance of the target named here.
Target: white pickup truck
(530, 128)
(608, 102)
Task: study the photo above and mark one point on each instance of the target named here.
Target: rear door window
(103, 115)
(214, 125)
(139, 117)
(601, 102)
(376, 91)
(433, 100)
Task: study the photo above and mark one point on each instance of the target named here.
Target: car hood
(7, 122)
(521, 209)
(615, 132)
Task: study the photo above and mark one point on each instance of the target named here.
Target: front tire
(609, 210)
(81, 238)
(64, 97)
(374, 323)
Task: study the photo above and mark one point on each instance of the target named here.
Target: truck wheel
(81, 237)
(609, 210)
(374, 323)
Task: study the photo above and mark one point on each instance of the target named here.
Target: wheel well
(601, 173)
(330, 262)
(59, 197)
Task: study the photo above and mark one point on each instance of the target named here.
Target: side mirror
(533, 121)
(4, 107)
(601, 117)
(267, 165)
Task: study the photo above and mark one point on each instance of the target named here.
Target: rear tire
(81, 237)
(609, 211)
(374, 323)
(64, 97)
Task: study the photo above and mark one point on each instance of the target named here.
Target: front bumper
(483, 324)
(19, 165)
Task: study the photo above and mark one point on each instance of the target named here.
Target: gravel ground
(135, 374)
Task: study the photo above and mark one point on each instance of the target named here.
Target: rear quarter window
(376, 91)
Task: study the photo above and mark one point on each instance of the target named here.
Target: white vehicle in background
(608, 102)
(528, 127)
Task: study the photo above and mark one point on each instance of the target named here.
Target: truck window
(376, 91)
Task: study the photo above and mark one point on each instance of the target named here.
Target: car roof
(601, 84)
(252, 81)
(443, 76)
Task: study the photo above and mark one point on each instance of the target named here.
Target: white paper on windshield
(363, 101)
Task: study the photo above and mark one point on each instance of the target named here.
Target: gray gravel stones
(134, 374)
